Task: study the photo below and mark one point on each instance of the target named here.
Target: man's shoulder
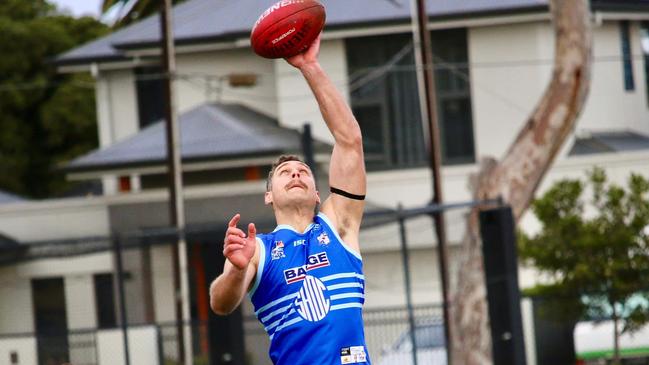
(265, 237)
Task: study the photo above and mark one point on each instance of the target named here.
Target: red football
(287, 28)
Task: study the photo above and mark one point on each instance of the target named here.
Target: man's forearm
(334, 108)
(227, 290)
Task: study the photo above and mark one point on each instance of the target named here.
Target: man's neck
(298, 218)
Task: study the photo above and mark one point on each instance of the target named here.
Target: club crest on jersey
(323, 239)
(295, 274)
(278, 251)
(312, 302)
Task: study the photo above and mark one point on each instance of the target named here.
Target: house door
(50, 317)
(225, 339)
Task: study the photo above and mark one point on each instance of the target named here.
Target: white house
(493, 62)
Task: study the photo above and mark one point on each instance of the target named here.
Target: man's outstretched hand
(306, 57)
(239, 248)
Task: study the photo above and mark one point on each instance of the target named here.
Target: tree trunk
(616, 337)
(517, 176)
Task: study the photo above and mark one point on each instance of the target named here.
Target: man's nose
(295, 174)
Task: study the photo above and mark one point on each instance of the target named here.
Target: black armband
(346, 194)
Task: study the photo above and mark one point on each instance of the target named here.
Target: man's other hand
(239, 248)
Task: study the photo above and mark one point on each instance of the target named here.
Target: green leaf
(596, 260)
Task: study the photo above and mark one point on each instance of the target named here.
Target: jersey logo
(301, 242)
(295, 274)
(323, 238)
(311, 302)
(278, 251)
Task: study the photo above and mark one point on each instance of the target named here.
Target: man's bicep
(347, 170)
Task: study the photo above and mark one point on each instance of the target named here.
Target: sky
(79, 7)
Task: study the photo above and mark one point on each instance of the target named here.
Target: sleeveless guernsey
(308, 294)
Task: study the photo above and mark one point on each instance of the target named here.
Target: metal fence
(386, 329)
(389, 330)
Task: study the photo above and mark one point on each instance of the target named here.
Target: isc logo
(314, 261)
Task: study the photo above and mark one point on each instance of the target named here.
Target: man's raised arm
(347, 167)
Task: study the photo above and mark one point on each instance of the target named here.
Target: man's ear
(317, 197)
(268, 198)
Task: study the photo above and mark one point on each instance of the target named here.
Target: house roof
(7, 241)
(609, 142)
(6, 197)
(204, 21)
(208, 132)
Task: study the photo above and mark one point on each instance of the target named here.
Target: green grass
(590, 355)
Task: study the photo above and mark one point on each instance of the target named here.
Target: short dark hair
(280, 160)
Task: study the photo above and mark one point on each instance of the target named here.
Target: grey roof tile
(201, 20)
(609, 142)
(209, 131)
(6, 197)
(7, 242)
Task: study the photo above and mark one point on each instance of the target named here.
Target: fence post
(117, 246)
(406, 275)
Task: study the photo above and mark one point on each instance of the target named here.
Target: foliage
(140, 10)
(595, 251)
(45, 117)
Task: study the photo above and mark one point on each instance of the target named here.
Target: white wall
(81, 312)
(15, 302)
(51, 220)
(384, 278)
(80, 301)
(142, 345)
(163, 290)
(296, 104)
(117, 112)
(618, 168)
(54, 219)
(24, 347)
(193, 89)
(609, 106)
(510, 67)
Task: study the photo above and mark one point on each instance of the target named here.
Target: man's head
(290, 182)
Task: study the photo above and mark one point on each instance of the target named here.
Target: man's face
(292, 184)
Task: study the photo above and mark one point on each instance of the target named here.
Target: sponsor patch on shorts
(353, 355)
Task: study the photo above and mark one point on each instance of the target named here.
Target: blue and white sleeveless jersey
(308, 294)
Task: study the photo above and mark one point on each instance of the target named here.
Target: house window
(105, 301)
(644, 38)
(627, 60)
(150, 95)
(385, 100)
(454, 111)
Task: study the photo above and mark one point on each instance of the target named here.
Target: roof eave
(188, 41)
(619, 6)
(157, 163)
(83, 61)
